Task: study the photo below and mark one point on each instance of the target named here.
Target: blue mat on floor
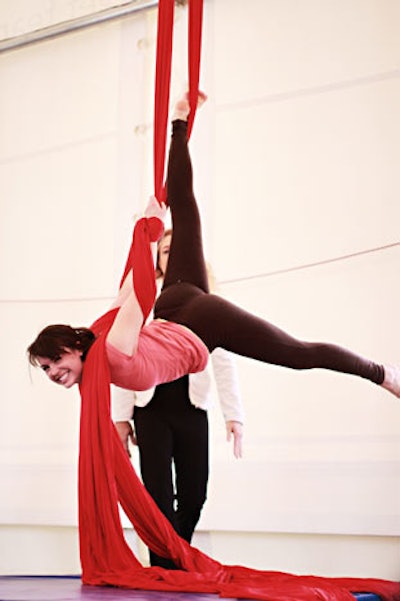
(69, 588)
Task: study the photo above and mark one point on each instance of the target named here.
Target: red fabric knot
(156, 228)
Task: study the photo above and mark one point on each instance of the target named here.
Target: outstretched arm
(124, 333)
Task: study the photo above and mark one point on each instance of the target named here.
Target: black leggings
(218, 323)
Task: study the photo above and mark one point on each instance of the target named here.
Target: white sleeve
(122, 404)
(227, 385)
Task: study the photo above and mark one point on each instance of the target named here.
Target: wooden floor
(69, 588)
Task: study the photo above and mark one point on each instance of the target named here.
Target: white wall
(296, 158)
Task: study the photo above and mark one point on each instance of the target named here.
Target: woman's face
(66, 369)
(163, 253)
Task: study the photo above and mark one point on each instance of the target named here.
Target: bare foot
(392, 379)
(182, 107)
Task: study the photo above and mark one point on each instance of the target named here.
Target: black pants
(172, 432)
(185, 298)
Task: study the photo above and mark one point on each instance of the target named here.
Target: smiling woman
(60, 351)
(65, 370)
(189, 322)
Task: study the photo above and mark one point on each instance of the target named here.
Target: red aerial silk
(140, 261)
(106, 475)
(194, 52)
(163, 80)
(162, 88)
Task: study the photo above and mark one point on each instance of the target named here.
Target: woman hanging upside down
(189, 322)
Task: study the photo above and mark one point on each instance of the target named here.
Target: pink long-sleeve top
(166, 351)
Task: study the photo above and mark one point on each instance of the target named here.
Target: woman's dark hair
(53, 340)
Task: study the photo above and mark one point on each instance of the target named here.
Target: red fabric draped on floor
(106, 475)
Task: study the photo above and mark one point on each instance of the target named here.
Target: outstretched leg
(186, 258)
(219, 323)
